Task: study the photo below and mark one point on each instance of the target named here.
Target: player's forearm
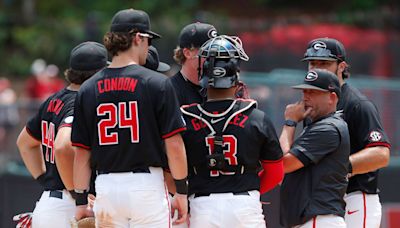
(81, 169)
(370, 159)
(31, 154)
(33, 160)
(176, 156)
(65, 164)
(286, 139)
(169, 181)
(64, 154)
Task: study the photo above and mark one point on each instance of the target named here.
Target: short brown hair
(77, 76)
(118, 41)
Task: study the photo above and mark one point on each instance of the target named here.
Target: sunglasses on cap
(321, 53)
(148, 36)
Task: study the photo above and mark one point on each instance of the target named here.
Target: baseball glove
(23, 220)
(88, 222)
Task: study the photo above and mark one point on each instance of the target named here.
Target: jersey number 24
(125, 115)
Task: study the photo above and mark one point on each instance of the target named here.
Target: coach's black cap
(196, 34)
(321, 80)
(88, 56)
(325, 49)
(128, 19)
(153, 61)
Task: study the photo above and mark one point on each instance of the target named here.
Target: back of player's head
(222, 62)
(124, 26)
(85, 60)
(153, 61)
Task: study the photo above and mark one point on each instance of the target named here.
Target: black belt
(238, 170)
(234, 193)
(136, 170)
(56, 194)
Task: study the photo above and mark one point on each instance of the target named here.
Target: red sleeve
(271, 175)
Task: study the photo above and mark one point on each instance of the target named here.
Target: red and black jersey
(54, 113)
(248, 138)
(122, 116)
(365, 129)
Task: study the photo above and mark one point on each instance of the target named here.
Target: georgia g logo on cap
(319, 45)
(212, 33)
(311, 76)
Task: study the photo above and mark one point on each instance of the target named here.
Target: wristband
(182, 186)
(41, 179)
(81, 197)
(290, 123)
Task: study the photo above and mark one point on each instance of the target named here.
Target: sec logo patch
(375, 136)
(69, 119)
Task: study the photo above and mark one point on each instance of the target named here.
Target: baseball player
(316, 163)
(186, 81)
(226, 139)
(153, 61)
(370, 146)
(123, 114)
(47, 134)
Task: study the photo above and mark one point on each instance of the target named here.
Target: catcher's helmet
(221, 67)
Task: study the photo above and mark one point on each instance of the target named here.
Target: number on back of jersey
(48, 135)
(121, 116)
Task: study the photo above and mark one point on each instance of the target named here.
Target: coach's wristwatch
(290, 123)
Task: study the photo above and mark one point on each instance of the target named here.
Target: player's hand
(91, 199)
(180, 203)
(83, 211)
(23, 220)
(297, 111)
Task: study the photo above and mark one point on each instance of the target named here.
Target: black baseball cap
(322, 80)
(128, 19)
(153, 61)
(196, 34)
(88, 56)
(325, 49)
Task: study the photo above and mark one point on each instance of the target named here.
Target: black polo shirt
(317, 188)
(365, 129)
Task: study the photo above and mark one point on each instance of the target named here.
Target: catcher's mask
(222, 65)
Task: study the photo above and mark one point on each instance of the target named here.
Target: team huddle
(129, 147)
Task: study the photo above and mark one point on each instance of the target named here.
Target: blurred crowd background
(36, 38)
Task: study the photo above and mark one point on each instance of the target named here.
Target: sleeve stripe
(81, 146)
(64, 125)
(271, 161)
(385, 144)
(172, 133)
(30, 133)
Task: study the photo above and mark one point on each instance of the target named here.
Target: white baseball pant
(227, 210)
(363, 210)
(132, 200)
(54, 208)
(324, 221)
